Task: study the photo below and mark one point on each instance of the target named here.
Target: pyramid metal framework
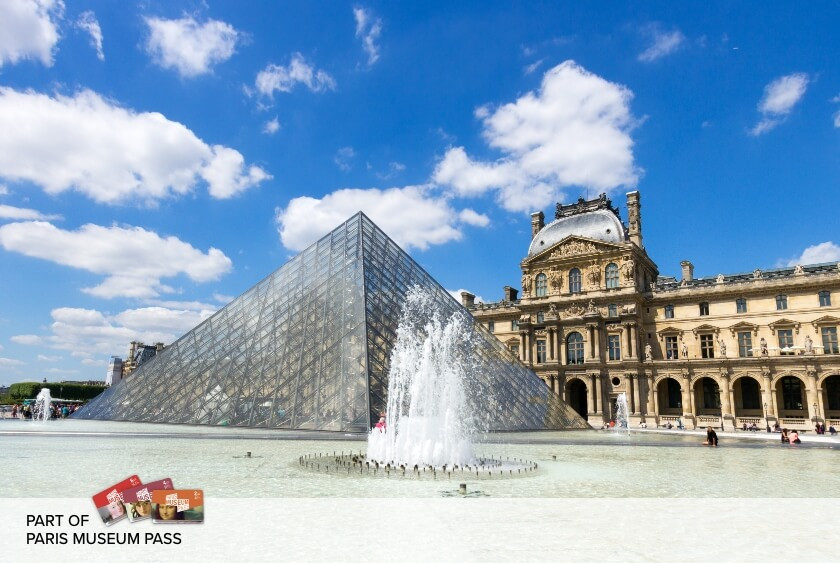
(308, 347)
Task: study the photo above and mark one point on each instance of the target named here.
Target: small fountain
(428, 420)
(621, 419)
(41, 409)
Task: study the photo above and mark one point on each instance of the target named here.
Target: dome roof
(600, 224)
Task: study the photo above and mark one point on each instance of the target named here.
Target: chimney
(510, 294)
(537, 223)
(687, 270)
(467, 299)
(634, 218)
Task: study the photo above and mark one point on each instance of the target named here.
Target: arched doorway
(576, 396)
(831, 399)
(748, 402)
(669, 395)
(707, 397)
(790, 398)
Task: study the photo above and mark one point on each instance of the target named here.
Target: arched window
(574, 281)
(574, 349)
(542, 285)
(611, 274)
(612, 310)
(792, 393)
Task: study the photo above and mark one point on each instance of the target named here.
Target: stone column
(560, 347)
(811, 393)
(596, 330)
(550, 338)
(631, 393)
(637, 395)
(590, 350)
(592, 395)
(725, 404)
(522, 345)
(634, 338)
(650, 392)
(599, 402)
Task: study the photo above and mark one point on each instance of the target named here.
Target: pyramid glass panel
(309, 346)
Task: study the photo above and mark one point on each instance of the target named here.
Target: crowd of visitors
(25, 411)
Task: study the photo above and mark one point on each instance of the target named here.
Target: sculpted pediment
(825, 320)
(784, 323)
(573, 246)
(743, 327)
(706, 328)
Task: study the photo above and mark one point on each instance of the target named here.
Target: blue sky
(159, 158)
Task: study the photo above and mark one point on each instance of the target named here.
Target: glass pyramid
(308, 348)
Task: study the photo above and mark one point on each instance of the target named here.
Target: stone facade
(595, 319)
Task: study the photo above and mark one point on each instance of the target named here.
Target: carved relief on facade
(799, 270)
(555, 280)
(757, 275)
(628, 270)
(593, 276)
(526, 285)
(628, 309)
(719, 278)
(572, 248)
(574, 310)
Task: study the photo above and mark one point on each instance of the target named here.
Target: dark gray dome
(600, 224)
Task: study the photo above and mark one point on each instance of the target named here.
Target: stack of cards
(157, 500)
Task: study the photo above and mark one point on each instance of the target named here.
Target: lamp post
(766, 420)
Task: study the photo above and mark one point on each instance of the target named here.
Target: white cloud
(87, 22)
(9, 362)
(456, 293)
(91, 362)
(780, 97)
(532, 67)
(664, 43)
(344, 157)
(474, 218)
(182, 305)
(368, 29)
(574, 132)
(43, 358)
(109, 153)
(189, 47)
(271, 127)
(24, 214)
(283, 78)
(61, 371)
(410, 215)
(29, 30)
(132, 259)
(817, 254)
(223, 299)
(4, 190)
(26, 339)
(837, 119)
(89, 329)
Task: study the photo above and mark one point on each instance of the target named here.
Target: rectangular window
(707, 346)
(540, 318)
(514, 349)
(829, 338)
(540, 351)
(745, 344)
(741, 305)
(514, 325)
(491, 326)
(781, 302)
(614, 346)
(825, 299)
(785, 341)
(704, 309)
(671, 352)
(669, 311)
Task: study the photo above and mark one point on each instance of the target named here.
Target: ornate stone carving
(555, 280)
(590, 308)
(722, 346)
(572, 248)
(648, 353)
(684, 350)
(525, 318)
(809, 345)
(593, 276)
(628, 269)
(799, 270)
(575, 310)
(762, 345)
(628, 309)
(552, 309)
(526, 284)
(757, 274)
(719, 278)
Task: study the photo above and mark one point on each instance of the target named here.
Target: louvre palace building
(594, 319)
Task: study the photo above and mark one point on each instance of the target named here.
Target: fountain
(41, 409)
(428, 420)
(621, 419)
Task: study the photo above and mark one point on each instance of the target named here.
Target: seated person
(794, 437)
